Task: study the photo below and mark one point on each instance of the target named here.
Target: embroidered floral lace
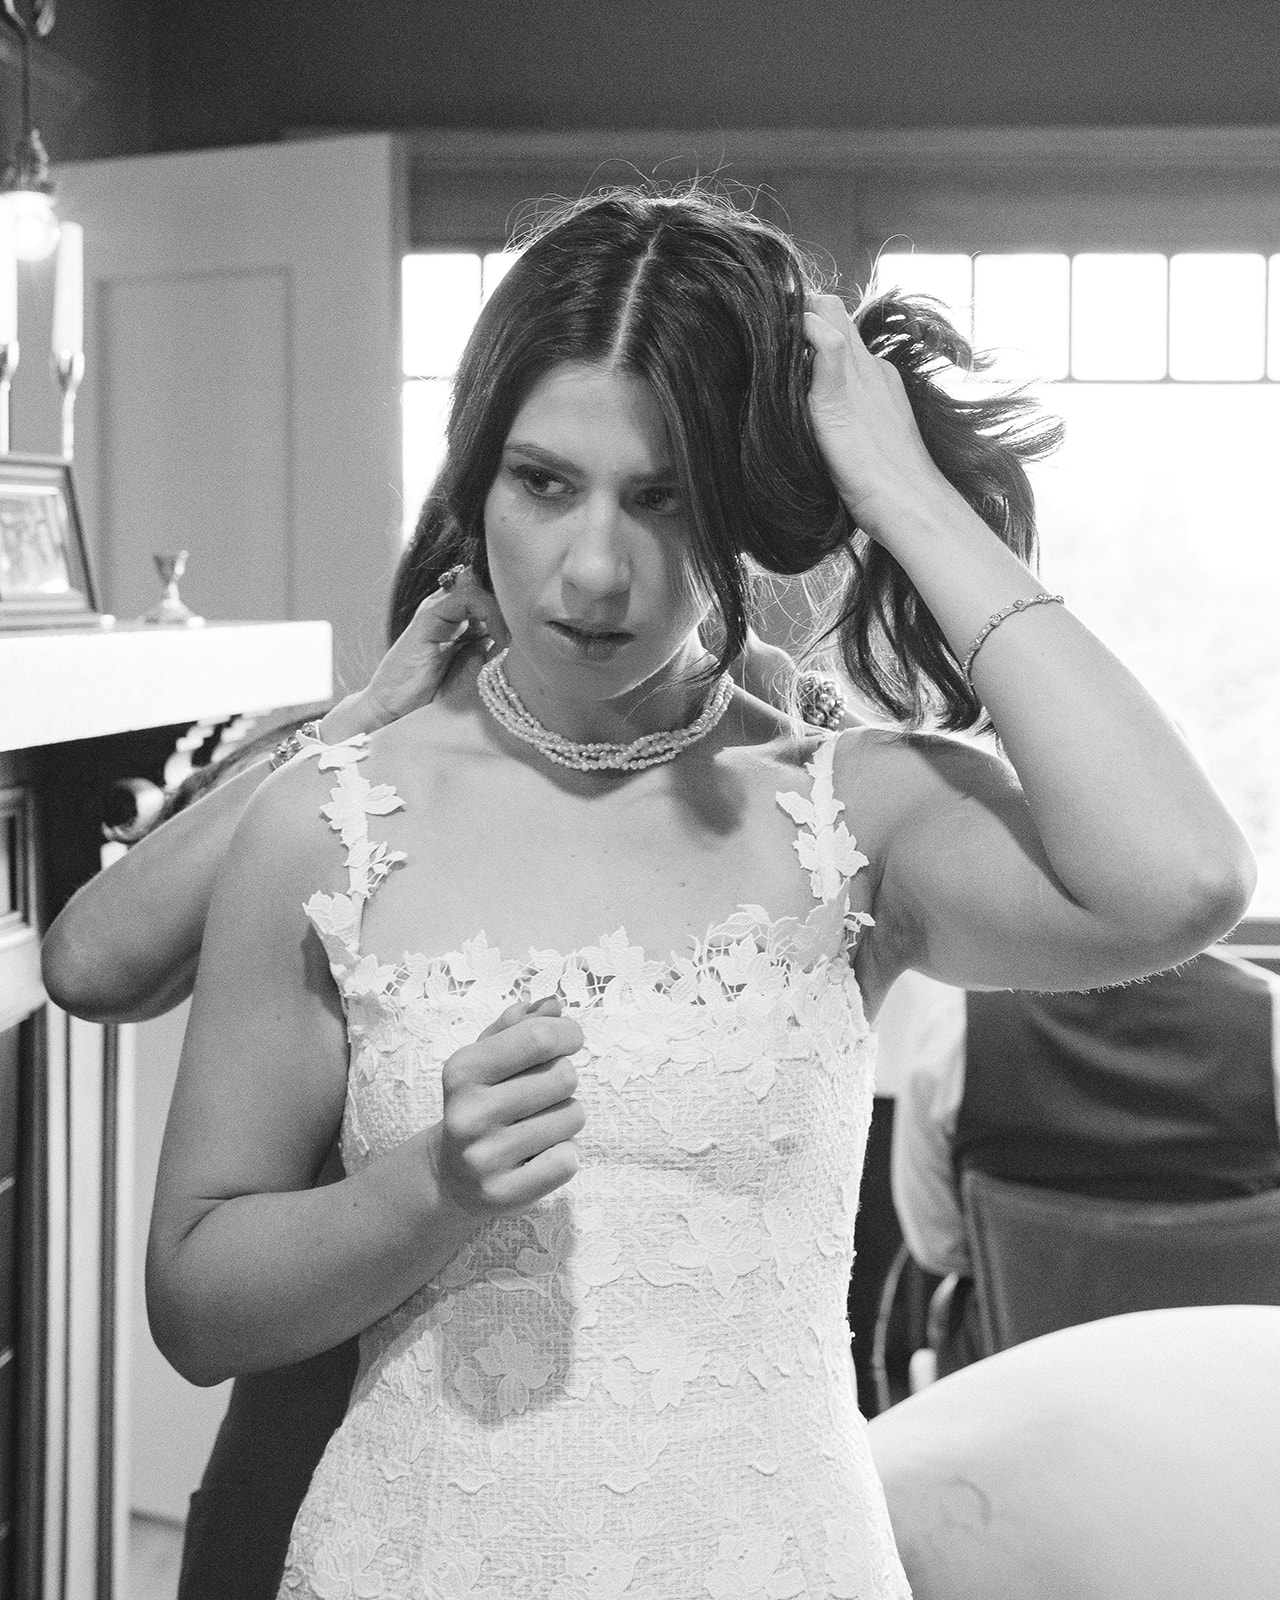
(640, 1389)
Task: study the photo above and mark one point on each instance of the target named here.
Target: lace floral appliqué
(638, 1389)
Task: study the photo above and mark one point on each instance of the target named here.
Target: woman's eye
(661, 500)
(538, 481)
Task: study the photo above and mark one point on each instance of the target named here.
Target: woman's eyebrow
(536, 453)
(549, 459)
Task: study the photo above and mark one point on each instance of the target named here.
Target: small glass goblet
(170, 610)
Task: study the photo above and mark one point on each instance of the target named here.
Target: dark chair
(1045, 1260)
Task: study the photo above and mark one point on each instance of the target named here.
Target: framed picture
(45, 581)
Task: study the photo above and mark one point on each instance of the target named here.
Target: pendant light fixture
(26, 189)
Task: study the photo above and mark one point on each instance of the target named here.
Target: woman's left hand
(863, 419)
(447, 624)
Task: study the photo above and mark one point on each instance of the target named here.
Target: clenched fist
(506, 1137)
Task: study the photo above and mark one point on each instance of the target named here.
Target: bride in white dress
(593, 945)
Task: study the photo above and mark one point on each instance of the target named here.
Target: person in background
(1164, 1089)
(125, 948)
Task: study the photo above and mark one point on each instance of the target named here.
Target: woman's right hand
(506, 1137)
(445, 626)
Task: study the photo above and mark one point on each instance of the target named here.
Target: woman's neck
(670, 699)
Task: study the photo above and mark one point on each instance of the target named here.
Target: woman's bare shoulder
(283, 839)
(882, 773)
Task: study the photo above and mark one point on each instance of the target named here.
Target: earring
(449, 578)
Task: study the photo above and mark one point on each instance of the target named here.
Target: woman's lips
(589, 644)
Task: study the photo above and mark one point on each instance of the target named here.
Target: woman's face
(586, 531)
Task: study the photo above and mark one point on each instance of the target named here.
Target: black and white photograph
(639, 800)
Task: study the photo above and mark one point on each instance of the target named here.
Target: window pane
(947, 278)
(1021, 308)
(1160, 524)
(496, 266)
(1273, 319)
(424, 412)
(1217, 317)
(1119, 316)
(440, 298)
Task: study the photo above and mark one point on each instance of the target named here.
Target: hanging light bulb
(26, 190)
(26, 193)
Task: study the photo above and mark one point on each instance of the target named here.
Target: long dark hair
(705, 302)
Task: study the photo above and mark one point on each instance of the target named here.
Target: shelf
(84, 683)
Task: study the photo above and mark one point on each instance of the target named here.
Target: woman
(603, 1347)
(125, 949)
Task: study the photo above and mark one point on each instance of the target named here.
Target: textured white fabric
(639, 1389)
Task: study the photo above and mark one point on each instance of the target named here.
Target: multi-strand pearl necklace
(649, 750)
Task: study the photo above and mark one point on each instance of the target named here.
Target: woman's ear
(478, 561)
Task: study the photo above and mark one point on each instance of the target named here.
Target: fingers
(831, 329)
(510, 1147)
(548, 1006)
(537, 1089)
(445, 615)
(510, 1117)
(523, 1043)
(538, 1177)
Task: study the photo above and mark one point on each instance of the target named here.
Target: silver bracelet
(819, 700)
(994, 621)
(290, 745)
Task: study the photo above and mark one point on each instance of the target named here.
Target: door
(241, 388)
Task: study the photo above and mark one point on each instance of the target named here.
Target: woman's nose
(596, 563)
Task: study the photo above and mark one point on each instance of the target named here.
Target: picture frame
(45, 577)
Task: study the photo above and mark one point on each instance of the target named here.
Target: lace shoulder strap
(352, 801)
(827, 850)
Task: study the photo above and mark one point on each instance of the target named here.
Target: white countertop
(84, 682)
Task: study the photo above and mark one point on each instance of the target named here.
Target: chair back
(1045, 1260)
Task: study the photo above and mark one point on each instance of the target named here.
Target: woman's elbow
(87, 978)
(1207, 901)
(73, 977)
(178, 1325)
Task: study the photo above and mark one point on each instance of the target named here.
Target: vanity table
(81, 712)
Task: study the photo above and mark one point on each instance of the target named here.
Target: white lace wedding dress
(640, 1389)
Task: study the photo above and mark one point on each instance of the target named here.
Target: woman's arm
(249, 1267)
(125, 946)
(1109, 853)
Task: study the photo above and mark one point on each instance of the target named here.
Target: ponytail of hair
(890, 645)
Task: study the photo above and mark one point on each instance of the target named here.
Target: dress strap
(827, 850)
(352, 801)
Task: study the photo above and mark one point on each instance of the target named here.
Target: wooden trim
(1256, 939)
(21, 988)
(109, 1487)
(905, 152)
(846, 191)
(33, 1314)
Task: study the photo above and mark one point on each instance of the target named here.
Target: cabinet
(79, 712)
